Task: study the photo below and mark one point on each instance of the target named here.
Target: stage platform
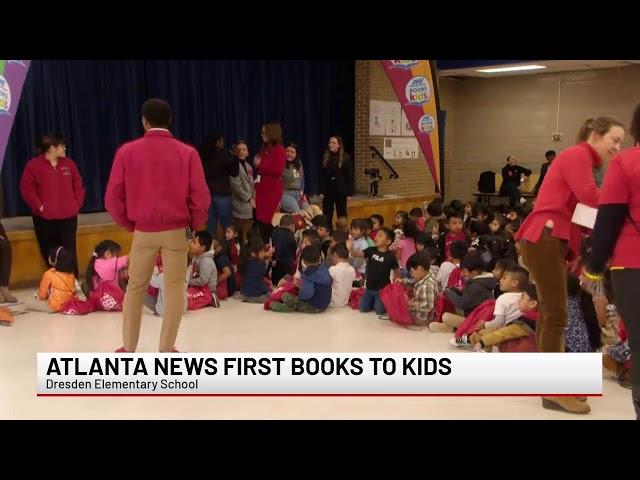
(28, 265)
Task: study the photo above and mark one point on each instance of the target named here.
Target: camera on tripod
(374, 174)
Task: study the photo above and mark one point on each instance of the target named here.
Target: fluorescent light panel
(511, 69)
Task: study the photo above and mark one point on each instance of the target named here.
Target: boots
(6, 296)
(566, 404)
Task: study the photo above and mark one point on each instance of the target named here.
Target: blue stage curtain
(96, 105)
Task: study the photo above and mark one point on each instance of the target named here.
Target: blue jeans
(221, 209)
(289, 202)
(371, 301)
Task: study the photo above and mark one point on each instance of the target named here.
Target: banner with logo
(413, 82)
(12, 76)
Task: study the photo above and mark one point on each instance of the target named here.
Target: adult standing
(512, 175)
(270, 163)
(156, 190)
(5, 259)
(293, 199)
(219, 167)
(549, 238)
(52, 188)
(550, 156)
(616, 236)
(242, 193)
(336, 179)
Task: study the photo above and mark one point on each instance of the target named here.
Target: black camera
(372, 172)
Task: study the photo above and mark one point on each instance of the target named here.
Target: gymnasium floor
(243, 327)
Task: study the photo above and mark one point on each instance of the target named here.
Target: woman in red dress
(270, 163)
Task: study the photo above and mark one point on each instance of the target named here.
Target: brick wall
(372, 83)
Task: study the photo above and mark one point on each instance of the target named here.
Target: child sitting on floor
(506, 310)
(377, 221)
(157, 304)
(315, 289)
(105, 266)
(422, 302)
(343, 276)
(226, 282)
(203, 267)
(253, 268)
(58, 284)
(285, 249)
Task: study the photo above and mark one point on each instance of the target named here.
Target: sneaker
(384, 317)
(460, 342)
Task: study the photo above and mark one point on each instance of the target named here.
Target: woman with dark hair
(242, 192)
(219, 167)
(512, 176)
(52, 187)
(270, 163)
(616, 236)
(293, 199)
(336, 179)
(5, 259)
(549, 238)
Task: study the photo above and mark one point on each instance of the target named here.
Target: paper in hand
(584, 215)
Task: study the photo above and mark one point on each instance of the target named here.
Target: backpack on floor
(77, 307)
(108, 297)
(199, 297)
(482, 313)
(487, 182)
(395, 300)
(355, 296)
(277, 294)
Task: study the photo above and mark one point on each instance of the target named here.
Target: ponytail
(99, 251)
(599, 125)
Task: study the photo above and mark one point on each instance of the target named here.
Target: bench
(526, 189)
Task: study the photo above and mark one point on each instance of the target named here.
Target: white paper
(407, 131)
(400, 148)
(394, 118)
(584, 215)
(377, 117)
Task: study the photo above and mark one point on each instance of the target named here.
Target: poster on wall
(377, 118)
(405, 126)
(413, 83)
(394, 119)
(401, 148)
(12, 76)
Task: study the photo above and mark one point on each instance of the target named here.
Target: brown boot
(566, 404)
(6, 296)
(610, 364)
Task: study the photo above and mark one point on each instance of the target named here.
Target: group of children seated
(458, 266)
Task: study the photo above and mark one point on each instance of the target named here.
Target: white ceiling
(552, 66)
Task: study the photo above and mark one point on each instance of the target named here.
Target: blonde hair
(599, 125)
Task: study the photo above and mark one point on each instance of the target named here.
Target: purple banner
(12, 76)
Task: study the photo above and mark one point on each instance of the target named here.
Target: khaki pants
(243, 225)
(173, 245)
(452, 319)
(491, 337)
(546, 261)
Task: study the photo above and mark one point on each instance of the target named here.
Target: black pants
(56, 233)
(511, 190)
(626, 290)
(266, 229)
(281, 269)
(5, 258)
(330, 199)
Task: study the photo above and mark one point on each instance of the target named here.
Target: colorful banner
(12, 76)
(416, 90)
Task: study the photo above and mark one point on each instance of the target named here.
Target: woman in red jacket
(270, 163)
(52, 187)
(616, 236)
(549, 238)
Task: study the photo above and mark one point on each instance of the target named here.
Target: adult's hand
(253, 202)
(257, 160)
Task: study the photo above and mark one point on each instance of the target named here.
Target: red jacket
(569, 180)
(157, 184)
(270, 188)
(58, 189)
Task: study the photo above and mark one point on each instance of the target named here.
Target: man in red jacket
(158, 191)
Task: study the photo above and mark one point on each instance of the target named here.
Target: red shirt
(58, 189)
(569, 180)
(157, 184)
(373, 233)
(448, 241)
(622, 185)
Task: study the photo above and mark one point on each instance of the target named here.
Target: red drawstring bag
(108, 297)
(221, 288)
(395, 300)
(199, 297)
(482, 313)
(77, 307)
(276, 295)
(354, 298)
(443, 304)
(519, 345)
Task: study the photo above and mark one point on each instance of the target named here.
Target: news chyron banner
(413, 82)
(319, 374)
(12, 76)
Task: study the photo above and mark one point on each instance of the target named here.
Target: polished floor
(244, 327)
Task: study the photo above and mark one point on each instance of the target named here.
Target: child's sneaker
(460, 342)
